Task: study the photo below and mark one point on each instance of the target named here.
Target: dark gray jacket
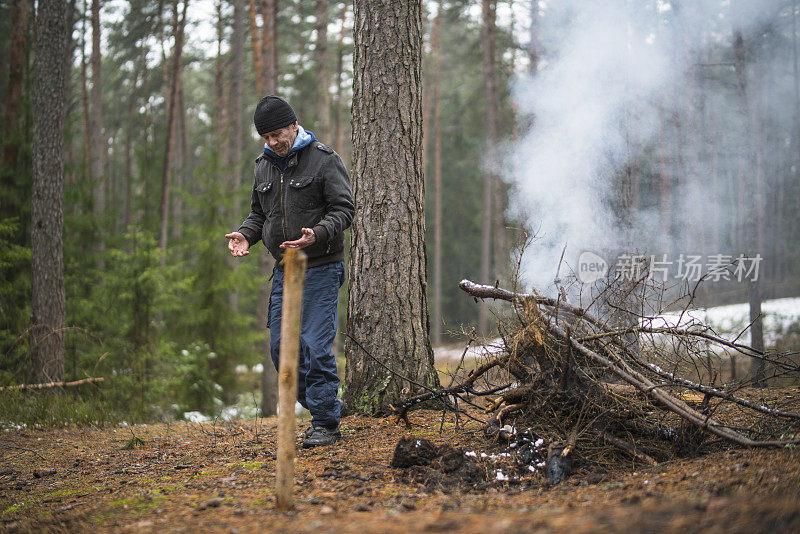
(312, 192)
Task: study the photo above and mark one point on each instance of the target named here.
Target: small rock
(408, 505)
(362, 508)
(211, 503)
(326, 510)
(39, 473)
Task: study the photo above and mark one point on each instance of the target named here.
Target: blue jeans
(317, 381)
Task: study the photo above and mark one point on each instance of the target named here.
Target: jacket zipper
(283, 211)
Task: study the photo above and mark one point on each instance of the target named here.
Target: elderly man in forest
(301, 198)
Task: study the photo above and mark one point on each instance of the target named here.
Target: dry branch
(605, 350)
(53, 384)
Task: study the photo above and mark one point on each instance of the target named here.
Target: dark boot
(321, 436)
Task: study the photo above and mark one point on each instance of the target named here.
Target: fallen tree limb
(627, 447)
(46, 385)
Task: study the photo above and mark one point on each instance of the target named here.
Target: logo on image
(591, 267)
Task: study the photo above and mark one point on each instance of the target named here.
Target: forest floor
(220, 477)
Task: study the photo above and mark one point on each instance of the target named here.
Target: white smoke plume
(609, 68)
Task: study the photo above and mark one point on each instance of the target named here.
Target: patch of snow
(539, 443)
(471, 453)
(728, 321)
(241, 369)
(258, 368)
(453, 353)
(508, 430)
(500, 476)
(196, 417)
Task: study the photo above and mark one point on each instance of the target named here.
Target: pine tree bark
(387, 307)
(323, 124)
(48, 315)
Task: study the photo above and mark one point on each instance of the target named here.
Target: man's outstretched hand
(237, 244)
(308, 238)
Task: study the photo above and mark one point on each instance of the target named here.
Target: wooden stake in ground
(294, 273)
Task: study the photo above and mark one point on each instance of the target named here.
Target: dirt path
(186, 477)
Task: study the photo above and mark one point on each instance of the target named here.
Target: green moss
(142, 503)
(59, 493)
(14, 508)
(256, 464)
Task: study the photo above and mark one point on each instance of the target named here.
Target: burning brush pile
(602, 387)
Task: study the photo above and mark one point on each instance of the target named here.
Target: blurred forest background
(159, 144)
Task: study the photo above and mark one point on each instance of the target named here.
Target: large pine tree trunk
(387, 307)
(47, 265)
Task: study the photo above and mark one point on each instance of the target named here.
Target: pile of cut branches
(611, 386)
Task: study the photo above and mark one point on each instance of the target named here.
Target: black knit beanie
(273, 112)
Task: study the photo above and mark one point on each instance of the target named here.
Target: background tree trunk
(323, 124)
(437, 178)
(171, 102)
(387, 308)
(490, 189)
(269, 57)
(255, 43)
(338, 138)
(237, 73)
(97, 143)
(751, 164)
(16, 68)
(269, 84)
(533, 39)
(48, 315)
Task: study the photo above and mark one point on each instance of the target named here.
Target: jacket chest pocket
(305, 192)
(266, 195)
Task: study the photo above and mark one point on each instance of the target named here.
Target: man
(301, 198)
